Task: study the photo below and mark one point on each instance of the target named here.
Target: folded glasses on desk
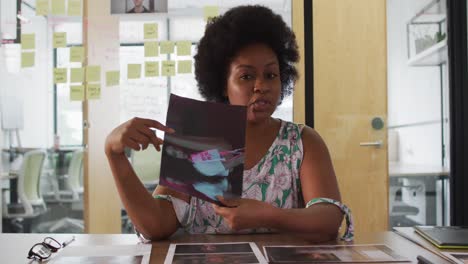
(44, 250)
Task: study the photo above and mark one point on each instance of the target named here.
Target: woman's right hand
(137, 134)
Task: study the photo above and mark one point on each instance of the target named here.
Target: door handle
(377, 144)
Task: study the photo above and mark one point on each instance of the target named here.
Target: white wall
(413, 92)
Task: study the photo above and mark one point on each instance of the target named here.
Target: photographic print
(100, 259)
(228, 253)
(215, 258)
(138, 6)
(214, 248)
(331, 254)
(205, 156)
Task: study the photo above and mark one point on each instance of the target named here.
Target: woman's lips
(261, 105)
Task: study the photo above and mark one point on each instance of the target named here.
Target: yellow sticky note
(77, 93)
(42, 7)
(27, 59)
(60, 39)
(93, 73)
(77, 75)
(28, 41)
(93, 91)
(151, 69)
(134, 71)
(166, 47)
(58, 7)
(74, 7)
(151, 30)
(184, 48)
(184, 66)
(60, 75)
(210, 12)
(151, 49)
(76, 54)
(112, 78)
(168, 68)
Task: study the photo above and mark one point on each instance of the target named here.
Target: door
(350, 92)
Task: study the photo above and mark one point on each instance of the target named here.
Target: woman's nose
(260, 86)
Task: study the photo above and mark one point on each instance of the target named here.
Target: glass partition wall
(41, 134)
(418, 112)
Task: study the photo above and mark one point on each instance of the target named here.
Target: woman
(246, 57)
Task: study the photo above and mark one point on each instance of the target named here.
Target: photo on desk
(138, 6)
(204, 158)
(99, 259)
(210, 253)
(103, 254)
(332, 254)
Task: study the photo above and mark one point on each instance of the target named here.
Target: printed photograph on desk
(210, 253)
(332, 254)
(205, 156)
(138, 6)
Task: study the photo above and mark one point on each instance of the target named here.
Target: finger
(219, 210)
(228, 202)
(151, 136)
(140, 138)
(131, 144)
(156, 124)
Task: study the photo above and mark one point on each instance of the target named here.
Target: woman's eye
(246, 77)
(272, 75)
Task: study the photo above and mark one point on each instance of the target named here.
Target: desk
(14, 247)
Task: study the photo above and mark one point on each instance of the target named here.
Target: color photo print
(332, 254)
(211, 253)
(205, 156)
(138, 6)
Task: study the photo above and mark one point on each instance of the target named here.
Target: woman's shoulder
(308, 135)
(291, 130)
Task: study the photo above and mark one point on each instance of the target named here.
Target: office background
(359, 68)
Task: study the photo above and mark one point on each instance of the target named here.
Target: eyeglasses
(44, 250)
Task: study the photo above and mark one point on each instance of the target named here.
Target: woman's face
(254, 81)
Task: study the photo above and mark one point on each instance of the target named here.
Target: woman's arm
(316, 223)
(318, 179)
(154, 218)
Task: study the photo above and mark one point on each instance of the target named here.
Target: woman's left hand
(244, 213)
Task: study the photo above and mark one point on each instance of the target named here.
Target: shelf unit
(429, 47)
(433, 56)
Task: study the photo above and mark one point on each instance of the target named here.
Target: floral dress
(274, 180)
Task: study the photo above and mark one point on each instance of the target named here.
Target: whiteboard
(11, 108)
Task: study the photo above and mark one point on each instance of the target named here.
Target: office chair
(72, 195)
(399, 210)
(30, 204)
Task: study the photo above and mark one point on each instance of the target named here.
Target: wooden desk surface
(14, 247)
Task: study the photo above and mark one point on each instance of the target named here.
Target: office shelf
(433, 56)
